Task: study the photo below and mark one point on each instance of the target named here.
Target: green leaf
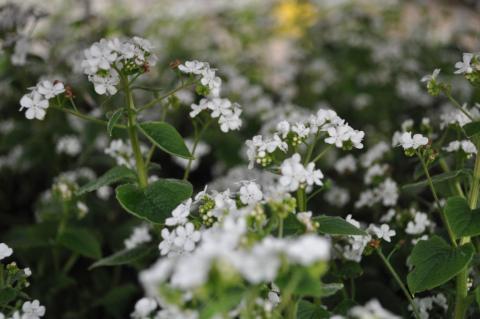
(222, 304)
(166, 137)
(114, 175)
(124, 257)
(472, 128)
(308, 310)
(113, 120)
(81, 241)
(435, 262)
(437, 179)
(337, 226)
(155, 202)
(477, 296)
(7, 294)
(117, 301)
(462, 220)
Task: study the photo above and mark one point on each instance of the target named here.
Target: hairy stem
(399, 282)
(461, 296)
(132, 133)
(437, 201)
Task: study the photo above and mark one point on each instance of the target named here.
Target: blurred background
(277, 58)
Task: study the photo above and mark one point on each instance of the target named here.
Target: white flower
(408, 142)
(464, 67)
(250, 193)
(50, 90)
(179, 214)
(372, 309)
(104, 192)
(293, 173)
(346, 164)
(35, 104)
(32, 310)
(139, 236)
(143, 308)
(105, 84)
(431, 77)
(69, 145)
(167, 243)
(186, 237)
(5, 251)
(418, 225)
(197, 108)
(283, 128)
(308, 249)
(230, 121)
(194, 67)
(383, 232)
(27, 271)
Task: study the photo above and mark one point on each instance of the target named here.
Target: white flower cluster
(426, 304)
(295, 175)
(140, 235)
(37, 101)
(409, 142)
(228, 113)
(372, 309)
(466, 146)
(419, 223)
(183, 237)
(69, 144)
(337, 132)
(122, 152)
(102, 60)
(30, 310)
(385, 193)
(221, 246)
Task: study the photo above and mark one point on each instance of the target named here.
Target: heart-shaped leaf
(166, 137)
(155, 202)
(462, 220)
(81, 241)
(333, 225)
(123, 257)
(116, 174)
(436, 262)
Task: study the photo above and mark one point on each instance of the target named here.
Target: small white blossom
(464, 66)
(179, 214)
(5, 251)
(32, 310)
(35, 104)
(250, 193)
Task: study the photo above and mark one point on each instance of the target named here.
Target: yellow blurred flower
(294, 16)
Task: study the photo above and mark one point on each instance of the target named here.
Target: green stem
(437, 201)
(86, 117)
(132, 133)
(301, 202)
(399, 282)
(155, 101)
(461, 296)
(280, 228)
(197, 136)
(457, 105)
(319, 156)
